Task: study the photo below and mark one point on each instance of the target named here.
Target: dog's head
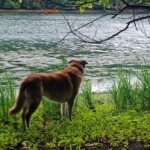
(78, 62)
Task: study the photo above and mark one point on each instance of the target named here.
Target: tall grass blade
(7, 94)
(144, 90)
(127, 95)
(87, 94)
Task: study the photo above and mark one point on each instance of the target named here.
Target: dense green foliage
(90, 127)
(98, 126)
(67, 4)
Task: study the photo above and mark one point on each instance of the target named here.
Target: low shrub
(9, 4)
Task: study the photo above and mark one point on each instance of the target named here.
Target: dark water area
(28, 44)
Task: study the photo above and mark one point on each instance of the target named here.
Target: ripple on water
(27, 45)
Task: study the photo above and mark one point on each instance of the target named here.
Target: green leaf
(89, 5)
(106, 3)
(20, 1)
(82, 9)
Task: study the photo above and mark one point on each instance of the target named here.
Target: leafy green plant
(11, 4)
(100, 128)
(88, 4)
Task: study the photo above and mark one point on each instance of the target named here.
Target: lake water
(27, 45)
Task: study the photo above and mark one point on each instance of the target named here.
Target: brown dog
(60, 87)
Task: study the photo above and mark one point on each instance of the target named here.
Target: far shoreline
(42, 11)
(65, 11)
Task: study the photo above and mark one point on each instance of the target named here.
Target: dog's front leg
(63, 109)
(70, 104)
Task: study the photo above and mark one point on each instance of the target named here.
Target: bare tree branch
(115, 15)
(112, 36)
(133, 20)
(82, 26)
(73, 31)
(136, 8)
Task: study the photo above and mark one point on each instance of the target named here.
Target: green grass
(143, 90)
(95, 128)
(100, 127)
(123, 92)
(126, 95)
(7, 94)
(50, 109)
(87, 93)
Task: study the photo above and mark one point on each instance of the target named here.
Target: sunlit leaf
(106, 3)
(20, 1)
(82, 9)
(89, 5)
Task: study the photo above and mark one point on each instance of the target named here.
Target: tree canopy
(71, 4)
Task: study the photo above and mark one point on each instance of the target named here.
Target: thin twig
(117, 33)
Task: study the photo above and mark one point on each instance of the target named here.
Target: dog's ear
(84, 62)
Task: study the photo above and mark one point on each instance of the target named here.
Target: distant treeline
(40, 4)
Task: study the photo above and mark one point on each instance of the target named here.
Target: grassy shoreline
(102, 11)
(42, 10)
(116, 120)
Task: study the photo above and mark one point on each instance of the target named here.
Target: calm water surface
(27, 45)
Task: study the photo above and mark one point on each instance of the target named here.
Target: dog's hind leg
(34, 97)
(24, 112)
(32, 109)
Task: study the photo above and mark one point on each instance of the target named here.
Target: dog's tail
(19, 102)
